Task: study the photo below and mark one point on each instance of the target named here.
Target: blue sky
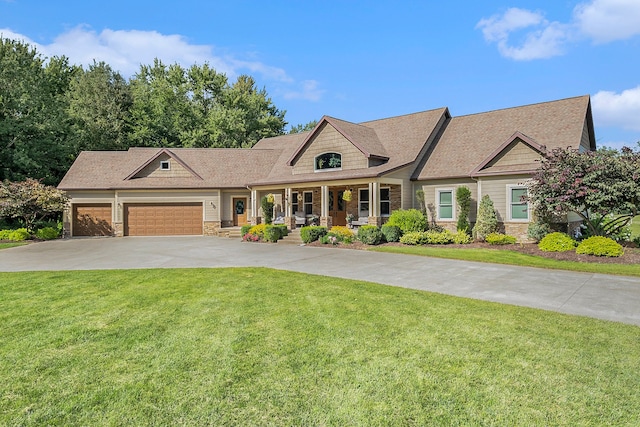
(361, 61)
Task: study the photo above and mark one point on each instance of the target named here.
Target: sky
(366, 60)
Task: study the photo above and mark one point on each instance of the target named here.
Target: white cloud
(599, 20)
(308, 90)
(125, 50)
(617, 109)
(608, 20)
(543, 40)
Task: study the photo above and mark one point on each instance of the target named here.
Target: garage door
(92, 220)
(162, 219)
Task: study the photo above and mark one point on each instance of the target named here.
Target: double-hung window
(445, 204)
(363, 202)
(294, 202)
(308, 202)
(519, 207)
(385, 201)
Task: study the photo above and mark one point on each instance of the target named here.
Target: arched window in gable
(327, 161)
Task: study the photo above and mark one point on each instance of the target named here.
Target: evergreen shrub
(408, 220)
(370, 235)
(600, 246)
(499, 239)
(312, 233)
(557, 242)
(391, 233)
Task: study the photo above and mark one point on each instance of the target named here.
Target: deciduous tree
(30, 201)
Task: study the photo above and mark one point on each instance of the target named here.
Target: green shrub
(408, 220)
(391, 233)
(284, 231)
(245, 229)
(330, 239)
(370, 235)
(415, 238)
(600, 246)
(461, 237)
(499, 239)
(47, 233)
(443, 237)
(538, 229)
(267, 208)
(343, 234)
(4, 234)
(272, 234)
(487, 221)
(557, 242)
(312, 233)
(19, 235)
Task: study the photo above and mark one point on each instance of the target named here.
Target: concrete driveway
(595, 295)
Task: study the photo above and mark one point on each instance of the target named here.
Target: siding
(430, 189)
(226, 212)
(496, 188)
(152, 170)
(407, 188)
(329, 140)
(514, 157)
(584, 141)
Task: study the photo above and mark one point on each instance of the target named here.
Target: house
(152, 191)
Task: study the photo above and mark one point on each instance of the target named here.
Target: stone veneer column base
(326, 221)
(290, 222)
(517, 230)
(118, 229)
(375, 220)
(211, 228)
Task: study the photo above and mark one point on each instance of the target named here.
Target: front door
(239, 211)
(337, 207)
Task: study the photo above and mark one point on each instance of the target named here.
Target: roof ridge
(521, 106)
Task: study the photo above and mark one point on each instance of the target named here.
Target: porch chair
(301, 219)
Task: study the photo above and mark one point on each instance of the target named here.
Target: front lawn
(251, 346)
(5, 245)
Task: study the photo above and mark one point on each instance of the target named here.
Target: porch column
(289, 220)
(254, 207)
(325, 219)
(374, 196)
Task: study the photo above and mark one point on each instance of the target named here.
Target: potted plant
(350, 218)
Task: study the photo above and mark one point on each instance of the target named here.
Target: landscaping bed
(631, 254)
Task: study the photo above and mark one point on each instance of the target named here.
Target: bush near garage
(47, 233)
(19, 235)
(557, 242)
(600, 246)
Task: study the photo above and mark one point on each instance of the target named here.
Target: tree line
(51, 110)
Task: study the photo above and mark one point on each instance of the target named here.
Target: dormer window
(165, 165)
(328, 161)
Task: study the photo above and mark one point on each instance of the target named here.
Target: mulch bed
(631, 254)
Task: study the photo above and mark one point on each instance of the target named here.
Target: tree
(99, 103)
(463, 199)
(303, 128)
(487, 220)
(34, 125)
(594, 184)
(30, 201)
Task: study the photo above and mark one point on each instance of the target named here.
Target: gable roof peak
(159, 153)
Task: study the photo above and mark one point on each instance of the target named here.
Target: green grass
(264, 347)
(500, 256)
(11, 245)
(635, 226)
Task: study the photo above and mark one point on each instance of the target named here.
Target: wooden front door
(337, 207)
(239, 211)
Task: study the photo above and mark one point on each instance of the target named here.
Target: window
(519, 207)
(308, 203)
(363, 202)
(328, 161)
(385, 201)
(445, 204)
(295, 206)
(165, 165)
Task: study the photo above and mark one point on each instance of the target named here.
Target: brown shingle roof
(468, 140)
(215, 168)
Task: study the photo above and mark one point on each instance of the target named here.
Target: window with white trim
(385, 201)
(294, 202)
(165, 165)
(308, 202)
(445, 203)
(518, 206)
(363, 202)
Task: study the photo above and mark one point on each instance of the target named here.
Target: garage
(92, 220)
(162, 219)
